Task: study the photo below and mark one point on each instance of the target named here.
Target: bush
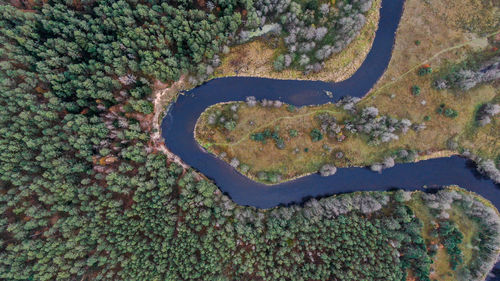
(142, 106)
(279, 63)
(440, 109)
(327, 170)
(230, 125)
(424, 70)
(234, 163)
(415, 90)
(316, 135)
(469, 73)
(244, 168)
(486, 112)
(293, 133)
(379, 129)
(262, 176)
(451, 113)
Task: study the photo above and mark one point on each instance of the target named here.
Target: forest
(85, 196)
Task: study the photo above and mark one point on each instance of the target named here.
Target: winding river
(179, 123)
(178, 126)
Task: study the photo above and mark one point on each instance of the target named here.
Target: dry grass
(431, 142)
(293, 161)
(267, 157)
(256, 58)
(437, 25)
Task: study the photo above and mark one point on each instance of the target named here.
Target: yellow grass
(431, 142)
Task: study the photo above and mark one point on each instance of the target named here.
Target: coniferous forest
(85, 196)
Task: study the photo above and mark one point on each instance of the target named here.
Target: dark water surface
(179, 123)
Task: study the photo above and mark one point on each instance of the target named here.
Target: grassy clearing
(301, 154)
(294, 160)
(256, 58)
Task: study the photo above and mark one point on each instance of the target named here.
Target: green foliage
(226, 118)
(271, 177)
(279, 63)
(84, 196)
(316, 135)
(424, 70)
(440, 109)
(446, 111)
(451, 237)
(415, 90)
(230, 125)
(293, 133)
(261, 136)
(143, 106)
(267, 134)
(450, 112)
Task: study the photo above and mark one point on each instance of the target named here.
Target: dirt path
(269, 124)
(470, 42)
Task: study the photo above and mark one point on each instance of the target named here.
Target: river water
(178, 126)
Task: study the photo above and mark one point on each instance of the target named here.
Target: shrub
(327, 170)
(489, 168)
(329, 124)
(486, 112)
(262, 176)
(377, 128)
(293, 133)
(415, 90)
(451, 113)
(440, 109)
(466, 75)
(316, 135)
(280, 143)
(251, 101)
(377, 167)
(273, 177)
(388, 162)
(244, 168)
(279, 63)
(230, 125)
(234, 163)
(424, 70)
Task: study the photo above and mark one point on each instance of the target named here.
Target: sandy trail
(161, 98)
